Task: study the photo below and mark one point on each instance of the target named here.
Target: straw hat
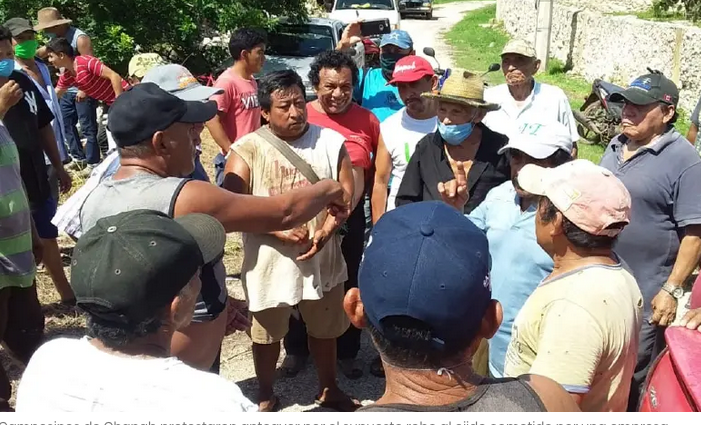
(50, 17)
(464, 88)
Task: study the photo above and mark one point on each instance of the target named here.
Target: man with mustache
(524, 100)
(412, 76)
(333, 75)
(300, 271)
(662, 243)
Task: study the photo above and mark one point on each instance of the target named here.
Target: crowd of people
(493, 270)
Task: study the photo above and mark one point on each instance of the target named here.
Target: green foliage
(173, 28)
(676, 9)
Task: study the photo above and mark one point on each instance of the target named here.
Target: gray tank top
(494, 395)
(152, 192)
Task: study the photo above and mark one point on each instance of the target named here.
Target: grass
(478, 44)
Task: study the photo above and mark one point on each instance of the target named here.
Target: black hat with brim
(648, 89)
(145, 109)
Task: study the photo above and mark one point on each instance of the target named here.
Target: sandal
(292, 365)
(347, 404)
(376, 368)
(352, 368)
(273, 406)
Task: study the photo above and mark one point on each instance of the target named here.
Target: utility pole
(544, 24)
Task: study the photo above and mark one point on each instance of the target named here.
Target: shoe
(87, 171)
(352, 368)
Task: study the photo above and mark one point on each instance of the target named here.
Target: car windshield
(365, 4)
(300, 40)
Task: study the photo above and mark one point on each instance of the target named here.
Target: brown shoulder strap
(296, 160)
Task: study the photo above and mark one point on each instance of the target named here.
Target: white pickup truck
(348, 11)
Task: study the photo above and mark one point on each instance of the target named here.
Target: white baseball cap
(540, 141)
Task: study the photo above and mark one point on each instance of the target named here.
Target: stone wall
(609, 6)
(615, 48)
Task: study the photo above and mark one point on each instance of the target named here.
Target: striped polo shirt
(16, 258)
(88, 71)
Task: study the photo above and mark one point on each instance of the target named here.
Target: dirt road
(430, 33)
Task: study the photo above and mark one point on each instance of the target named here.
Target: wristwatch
(676, 291)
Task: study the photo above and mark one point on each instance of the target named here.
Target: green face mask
(26, 49)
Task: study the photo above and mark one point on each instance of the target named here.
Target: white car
(349, 11)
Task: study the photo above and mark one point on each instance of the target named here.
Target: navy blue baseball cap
(427, 261)
(399, 38)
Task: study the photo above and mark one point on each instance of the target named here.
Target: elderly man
(401, 132)
(76, 105)
(156, 133)
(333, 75)
(421, 256)
(580, 326)
(302, 269)
(508, 217)
(136, 275)
(524, 100)
(662, 171)
(25, 46)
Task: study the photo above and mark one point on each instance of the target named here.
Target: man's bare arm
(114, 78)
(693, 132)
(383, 170)
(688, 257)
(553, 396)
(216, 129)
(254, 214)
(85, 46)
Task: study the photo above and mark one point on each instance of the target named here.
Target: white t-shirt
(546, 103)
(271, 275)
(72, 375)
(401, 133)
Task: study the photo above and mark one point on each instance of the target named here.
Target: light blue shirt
(51, 99)
(381, 99)
(519, 264)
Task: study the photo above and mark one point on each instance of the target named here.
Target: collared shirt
(429, 165)
(519, 264)
(49, 94)
(88, 78)
(545, 103)
(375, 95)
(664, 181)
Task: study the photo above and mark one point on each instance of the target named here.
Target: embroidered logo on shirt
(31, 102)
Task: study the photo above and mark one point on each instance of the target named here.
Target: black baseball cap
(129, 266)
(18, 25)
(146, 108)
(647, 89)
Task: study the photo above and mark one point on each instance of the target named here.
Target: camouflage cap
(140, 64)
(519, 47)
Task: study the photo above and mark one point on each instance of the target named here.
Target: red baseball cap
(410, 69)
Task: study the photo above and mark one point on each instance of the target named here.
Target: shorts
(325, 319)
(42, 216)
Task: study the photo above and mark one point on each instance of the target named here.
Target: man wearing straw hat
(76, 106)
(462, 142)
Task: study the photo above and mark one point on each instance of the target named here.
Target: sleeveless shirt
(149, 191)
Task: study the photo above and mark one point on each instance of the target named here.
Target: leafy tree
(174, 28)
(691, 9)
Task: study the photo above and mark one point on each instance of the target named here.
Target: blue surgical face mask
(6, 67)
(455, 134)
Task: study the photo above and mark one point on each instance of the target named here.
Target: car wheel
(429, 15)
(402, 16)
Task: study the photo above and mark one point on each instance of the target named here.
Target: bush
(690, 9)
(173, 28)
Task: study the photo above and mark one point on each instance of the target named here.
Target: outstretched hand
(454, 192)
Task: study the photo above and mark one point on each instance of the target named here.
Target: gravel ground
(296, 394)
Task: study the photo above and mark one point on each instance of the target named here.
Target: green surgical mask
(26, 49)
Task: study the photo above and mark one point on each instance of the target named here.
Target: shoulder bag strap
(296, 160)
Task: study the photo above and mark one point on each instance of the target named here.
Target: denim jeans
(86, 113)
(199, 173)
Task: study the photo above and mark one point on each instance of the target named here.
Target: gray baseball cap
(178, 81)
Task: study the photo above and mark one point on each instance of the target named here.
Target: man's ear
(492, 319)
(557, 225)
(434, 83)
(158, 143)
(265, 114)
(536, 66)
(354, 308)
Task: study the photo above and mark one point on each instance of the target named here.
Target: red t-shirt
(239, 103)
(360, 127)
(87, 78)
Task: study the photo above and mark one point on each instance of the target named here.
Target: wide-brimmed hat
(465, 88)
(50, 17)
